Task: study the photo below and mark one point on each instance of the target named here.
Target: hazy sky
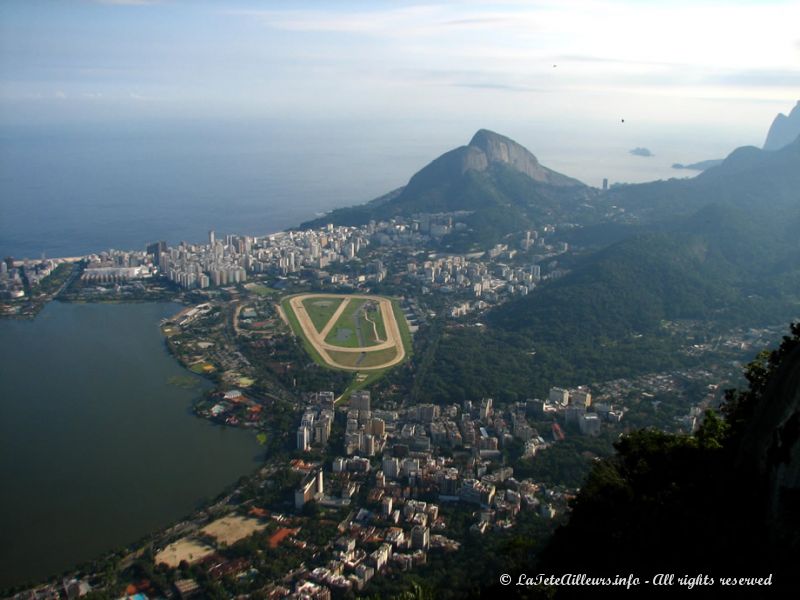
(719, 64)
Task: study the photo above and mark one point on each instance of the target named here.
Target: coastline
(273, 446)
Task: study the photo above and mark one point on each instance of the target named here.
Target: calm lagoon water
(98, 446)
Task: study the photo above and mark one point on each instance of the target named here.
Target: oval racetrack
(317, 338)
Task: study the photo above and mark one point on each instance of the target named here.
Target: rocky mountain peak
(499, 148)
(487, 147)
(784, 129)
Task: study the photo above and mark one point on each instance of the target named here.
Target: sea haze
(75, 189)
(98, 446)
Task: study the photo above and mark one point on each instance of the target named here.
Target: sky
(722, 68)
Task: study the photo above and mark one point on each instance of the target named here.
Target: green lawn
(298, 330)
(320, 310)
(375, 315)
(402, 325)
(344, 331)
(378, 357)
(261, 290)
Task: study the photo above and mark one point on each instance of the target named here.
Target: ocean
(78, 188)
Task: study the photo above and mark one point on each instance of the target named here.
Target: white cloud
(745, 36)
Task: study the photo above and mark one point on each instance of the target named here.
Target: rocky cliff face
(784, 130)
(487, 147)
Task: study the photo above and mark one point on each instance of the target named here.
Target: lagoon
(98, 444)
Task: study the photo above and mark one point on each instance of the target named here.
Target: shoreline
(133, 547)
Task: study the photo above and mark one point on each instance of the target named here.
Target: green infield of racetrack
(370, 359)
(298, 331)
(320, 310)
(343, 332)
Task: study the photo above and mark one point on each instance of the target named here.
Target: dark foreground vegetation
(723, 502)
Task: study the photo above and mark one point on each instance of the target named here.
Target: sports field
(354, 332)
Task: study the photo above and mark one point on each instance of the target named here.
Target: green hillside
(604, 320)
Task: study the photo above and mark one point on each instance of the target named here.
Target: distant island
(700, 165)
(639, 151)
